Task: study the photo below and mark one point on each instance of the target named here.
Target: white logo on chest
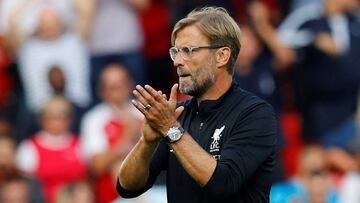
(215, 146)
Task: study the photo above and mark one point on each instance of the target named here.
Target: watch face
(174, 134)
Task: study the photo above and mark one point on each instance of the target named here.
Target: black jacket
(239, 130)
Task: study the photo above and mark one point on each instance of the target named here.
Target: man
(220, 145)
(323, 47)
(312, 182)
(116, 41)
(15, 186)
(110, 129)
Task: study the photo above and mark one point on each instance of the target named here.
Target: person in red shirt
(52, 155)
(109, 130)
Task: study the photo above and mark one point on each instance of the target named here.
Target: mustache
(182, 71)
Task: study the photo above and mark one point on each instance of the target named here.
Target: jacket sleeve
(158, 163)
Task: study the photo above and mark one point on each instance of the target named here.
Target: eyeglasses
(187, 51)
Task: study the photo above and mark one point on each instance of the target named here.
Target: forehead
(114, 75)
(56, 106)
(190, 35)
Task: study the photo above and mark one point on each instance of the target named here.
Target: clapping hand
(160, 113)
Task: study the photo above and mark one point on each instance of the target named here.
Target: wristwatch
(174, 134)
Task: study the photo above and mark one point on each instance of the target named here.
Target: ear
(222, 56)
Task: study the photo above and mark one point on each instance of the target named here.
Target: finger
(140, 98)
(154, 93)
(147, 97)
(178, 111)
(163, 95)
(139, 106)
(173, 93)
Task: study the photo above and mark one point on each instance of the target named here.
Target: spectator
(53, 154)
(43, 33)
(109, 130)
(15, 190)
(255, 71)
(312, 182)
(51, 40)
(57, 80)
(323, 47)
(116, 37)
(14, 184)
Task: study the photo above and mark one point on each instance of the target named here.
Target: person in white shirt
(44, 34)
(110, 129)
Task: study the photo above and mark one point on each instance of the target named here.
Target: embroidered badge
(215, 146)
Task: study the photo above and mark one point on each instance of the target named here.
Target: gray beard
(197, 87)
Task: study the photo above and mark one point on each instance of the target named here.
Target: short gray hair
(218, 26)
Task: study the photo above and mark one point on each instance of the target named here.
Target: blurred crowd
(68, 68)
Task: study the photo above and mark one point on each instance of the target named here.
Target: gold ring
(147, 107)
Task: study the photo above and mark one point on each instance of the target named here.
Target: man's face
(56, 120)
(15, 191)
(197, 73)
(116, 85)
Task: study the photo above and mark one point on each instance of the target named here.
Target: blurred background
(67, 69)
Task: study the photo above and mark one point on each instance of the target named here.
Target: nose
(178, 61)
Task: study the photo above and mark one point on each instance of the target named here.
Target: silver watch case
(174, 134)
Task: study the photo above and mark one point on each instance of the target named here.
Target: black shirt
(239, 131)
(328, 85)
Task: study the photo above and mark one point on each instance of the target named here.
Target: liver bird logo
(217, 134)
